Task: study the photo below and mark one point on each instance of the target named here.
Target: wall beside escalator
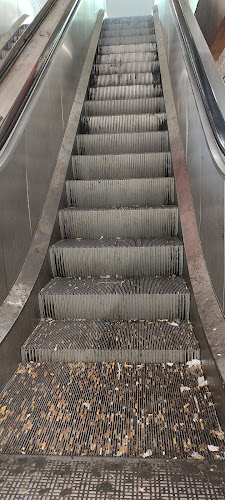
(116, 8)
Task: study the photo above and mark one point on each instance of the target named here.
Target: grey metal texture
(126, 32)
(124, 92)
(128, 22)
(69, 409)
(112, 192)
(102, 144)
(119, 40)
(110, 69)
(114, 298)
(133, 106)
(29, 165)
(11, 10)
(155, 222)
(127, 79)
(126, 57)
(117, 257)
(102, 479)
(123, 123)
(131, 166)
(116, 341)
(130, 47)
(204, 162)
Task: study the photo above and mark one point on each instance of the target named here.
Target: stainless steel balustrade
(204, 159)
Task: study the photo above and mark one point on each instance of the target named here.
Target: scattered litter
(87, 405)
(169, 364)
(174, 323)
(197, 455)
(101, 237)
(193, 362)
(214, 329)
(141, 490)
(219, 433)
(211, 447)
(219, 354)
(148, 453)
(202, 382)
(184, 389)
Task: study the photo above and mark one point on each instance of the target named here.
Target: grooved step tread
(124, 92)
(69, 409)
(123, 123)
(103, 193)
(126, 32)
(126, 79)
(99, 341)
(129, 142)
(136, 165)
(127, 57)
(117, 257)
(130, 67)
(127, 41)
(123, 107)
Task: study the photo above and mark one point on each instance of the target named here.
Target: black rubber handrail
(44, 60)
(211, 105)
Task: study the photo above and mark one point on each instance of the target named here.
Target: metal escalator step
(118, 21)
(135, 67)
(129, 23)
(143, 142)
(119, 222)
(109, 341)
(124, 92)
(117, 257)
(3, 53)
(113, 299)
(143, 165)
(126, 32)
(126, 79)
(114, 410)
(123, 123)
(126, 57)
(119, 49)
(134, 106)
(125, 41)
(116, 192)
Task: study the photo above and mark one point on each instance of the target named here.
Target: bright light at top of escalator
(156, 2)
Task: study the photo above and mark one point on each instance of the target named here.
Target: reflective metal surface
(210, 14)
(204, 162)
(11, 10)
(30, 156)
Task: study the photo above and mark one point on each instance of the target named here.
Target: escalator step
(107, 33)
(105, 341)
(128, 40)
(123, 123)
(124, 92)
(103, 144)
(115, 298)
(120, 192)
(130, 67)
(120, 48)
(126, 57)
(122, 107)
(119, 222)
(126, 79)
(117, 257)
(145, 165)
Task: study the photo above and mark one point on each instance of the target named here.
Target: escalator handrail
(10, 58)
(29, 86)
(211, 105)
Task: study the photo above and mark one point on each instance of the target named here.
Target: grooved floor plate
(134, 106)
(116, 192)
(123, 123)
(117, 341)
(127, 44)
(126, 57)
(113, 298)
(142, 410)
(125, 223)
(129, 258)
(104, 144)
(110, 33)
(135, 67)
(122, 166)
(126, 79)
(124, 92)
(115, 479)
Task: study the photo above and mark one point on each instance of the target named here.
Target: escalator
(110, 399)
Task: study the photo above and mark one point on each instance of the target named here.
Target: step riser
(146, 223)
(114, 307)
(135, 67)
(109, 356)
(128, 42)
(135, 106)
(126, 79)
(126, 262)
(127, 92)
(130, 192)
(127, 32)
(123, 124)
(128, 57)
(114, 26)
(122, 166)
(121, 144)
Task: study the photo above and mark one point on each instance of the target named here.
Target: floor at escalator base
(110, 409)
(106, 479)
